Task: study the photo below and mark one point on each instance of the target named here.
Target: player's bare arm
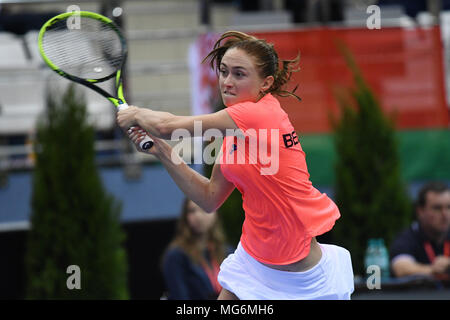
(209, 194)
(161, 124)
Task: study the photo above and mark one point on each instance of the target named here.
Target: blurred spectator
(424, 248)
(21, 22)
(191, 262)
(412, 8)
(312, 11)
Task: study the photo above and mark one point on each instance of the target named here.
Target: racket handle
(147, 142)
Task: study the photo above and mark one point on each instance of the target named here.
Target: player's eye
(223, 71)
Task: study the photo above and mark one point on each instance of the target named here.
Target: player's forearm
(160, 124)
(163, 124)
(193, 184)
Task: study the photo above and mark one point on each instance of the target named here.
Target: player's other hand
(137, 134)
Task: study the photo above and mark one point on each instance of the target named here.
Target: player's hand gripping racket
(92, 51)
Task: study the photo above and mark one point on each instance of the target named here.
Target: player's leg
(227, 295)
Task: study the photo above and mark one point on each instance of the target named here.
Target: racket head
(95, 50)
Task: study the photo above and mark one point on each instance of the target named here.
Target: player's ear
(267, 83)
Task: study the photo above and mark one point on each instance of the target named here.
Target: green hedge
(73, 220)
(424, 155)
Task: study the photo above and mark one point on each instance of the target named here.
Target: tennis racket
(89, 52)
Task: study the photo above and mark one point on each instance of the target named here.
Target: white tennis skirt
(248, 279)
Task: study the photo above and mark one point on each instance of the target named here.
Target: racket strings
(92, 51)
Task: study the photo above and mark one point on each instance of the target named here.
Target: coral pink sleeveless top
(283, 211)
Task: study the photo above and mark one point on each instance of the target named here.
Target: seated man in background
(424, 247)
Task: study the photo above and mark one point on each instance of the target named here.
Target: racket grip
(147, 142)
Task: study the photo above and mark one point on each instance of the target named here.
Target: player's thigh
(227, 295)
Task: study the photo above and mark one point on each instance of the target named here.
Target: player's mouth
(228, 93)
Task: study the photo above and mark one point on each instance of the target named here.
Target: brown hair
(266, 59)
(186, 240)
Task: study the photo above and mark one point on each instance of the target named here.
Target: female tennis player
(278, 256)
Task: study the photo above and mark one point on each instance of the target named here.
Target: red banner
(404, 67)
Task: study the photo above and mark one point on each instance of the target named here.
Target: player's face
(199, 221)
(435, 215)
(239, 79)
